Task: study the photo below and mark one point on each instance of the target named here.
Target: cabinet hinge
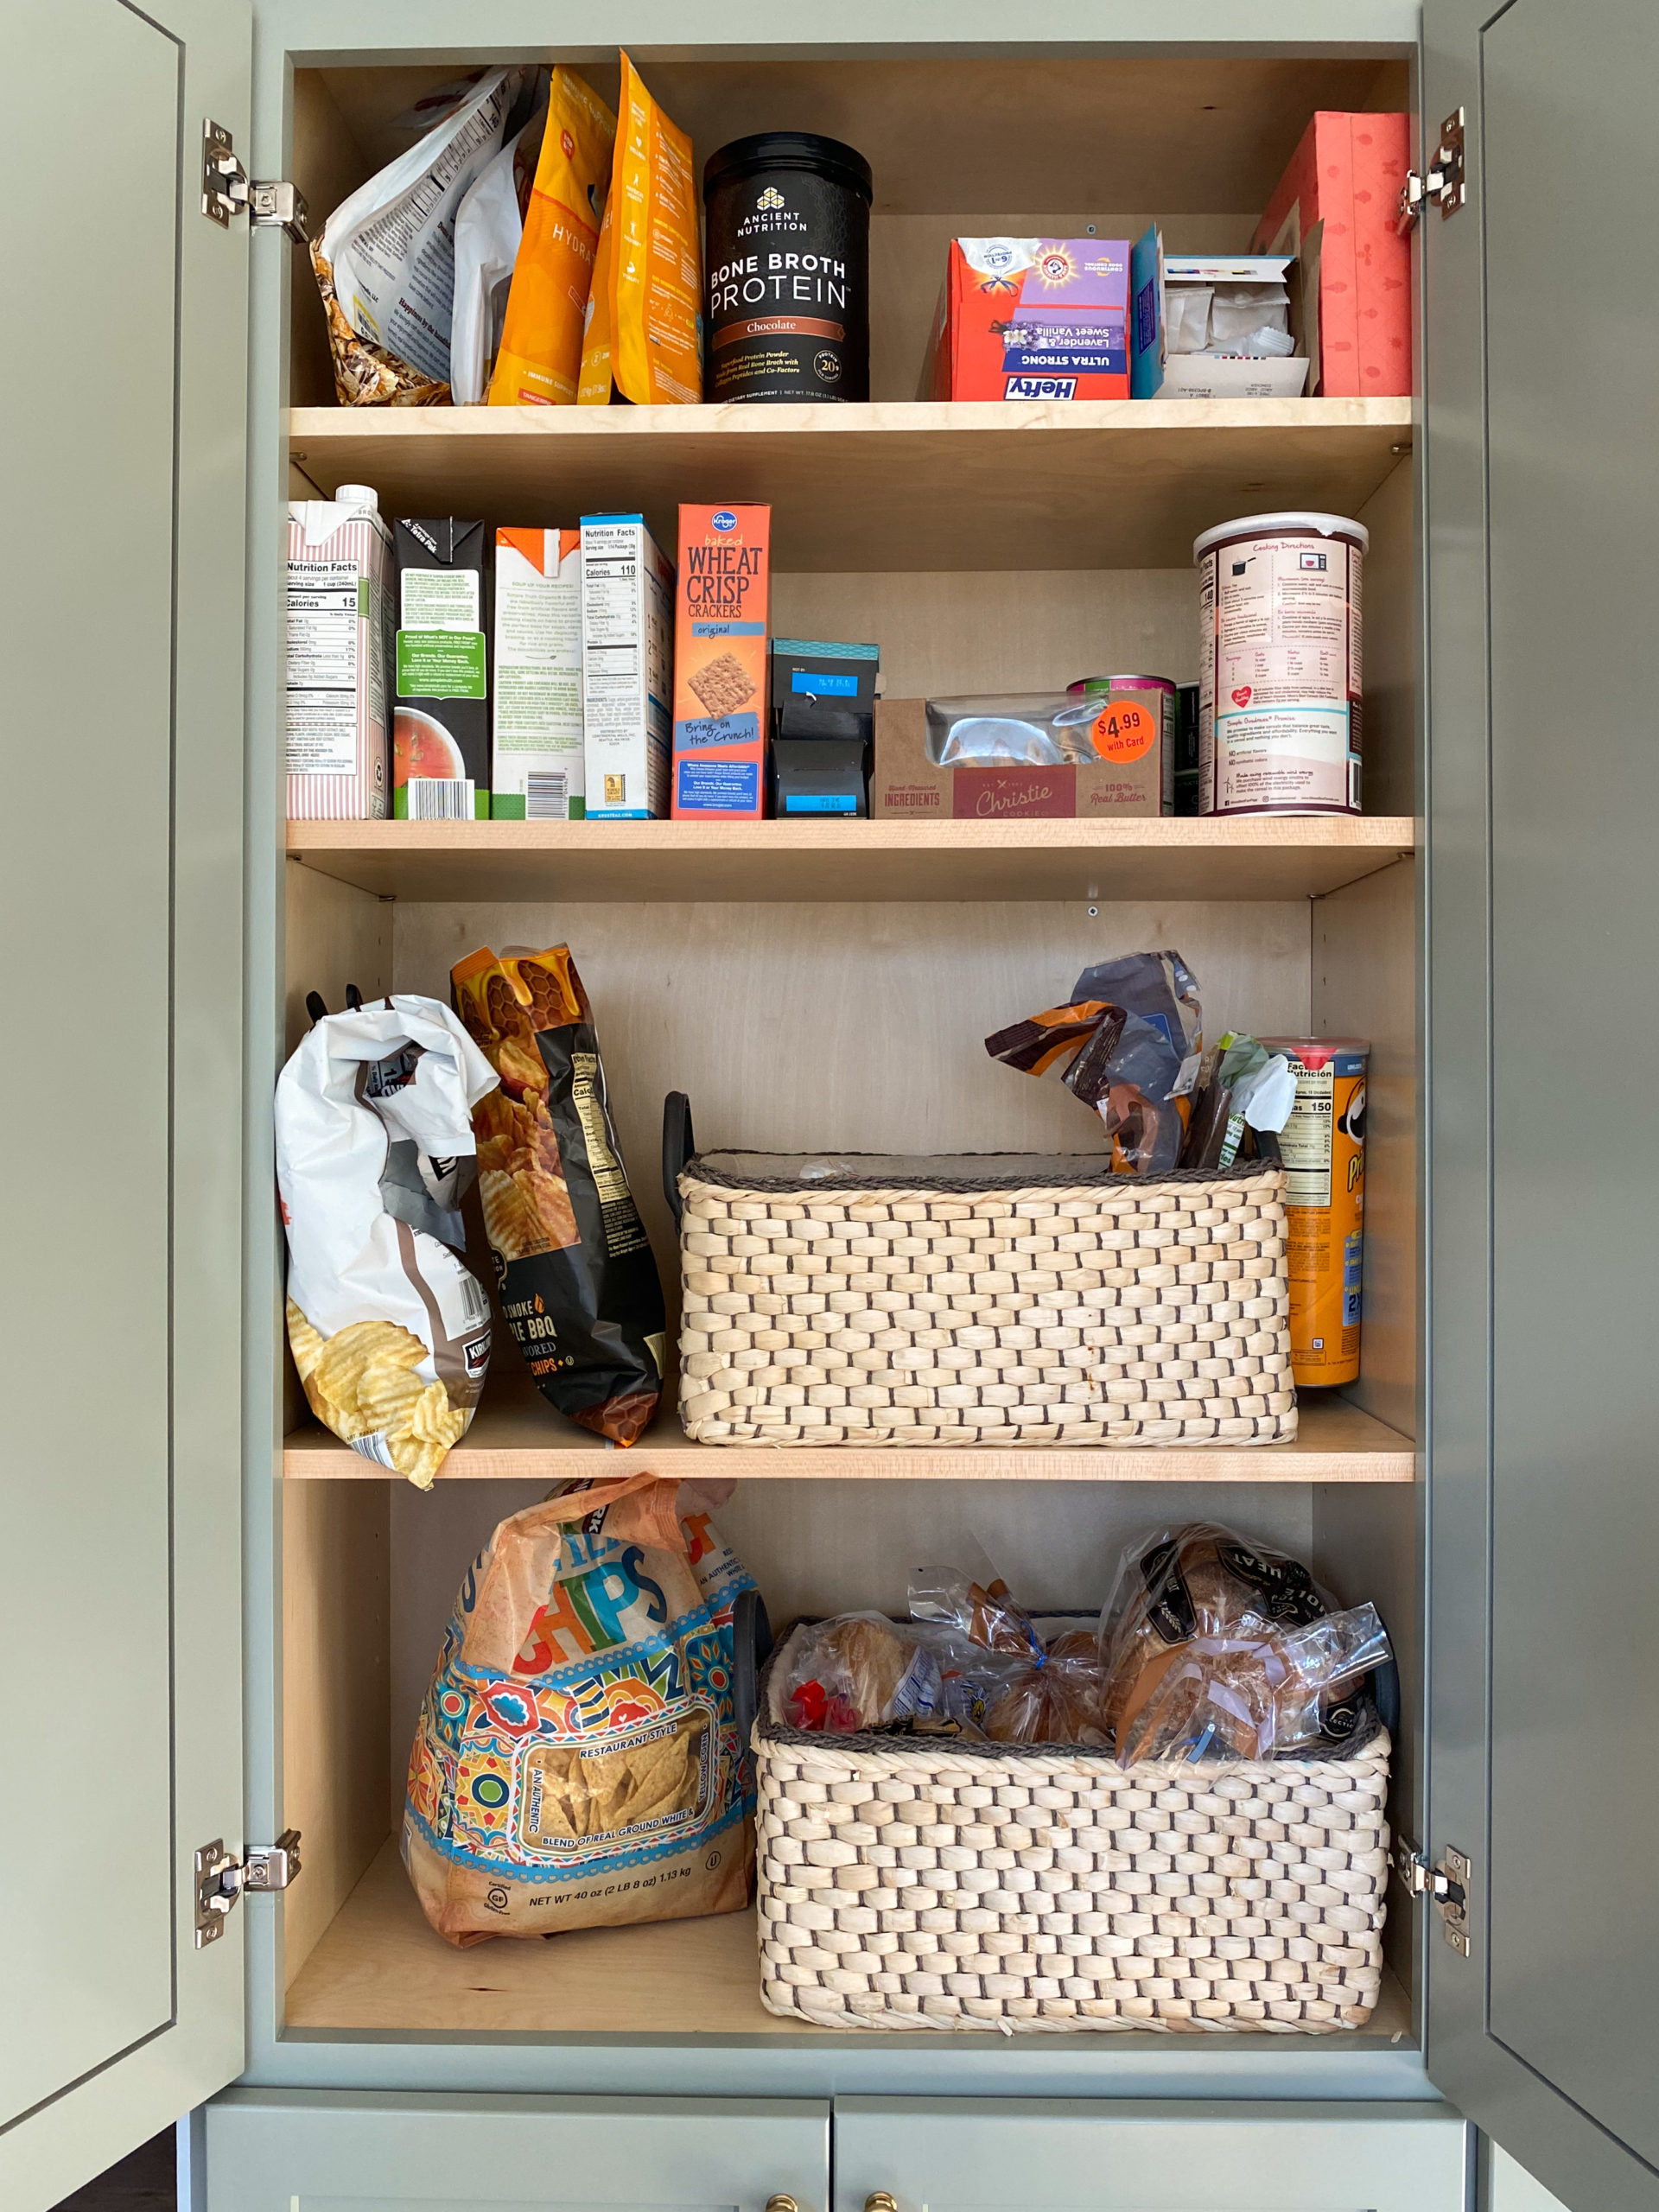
(1444, 181)
(1446, 1884)
(221, 1880)
(228, 190)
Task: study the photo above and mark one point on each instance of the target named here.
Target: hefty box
(720, 664)
(1120, 767)
(1340, 192)
(1032, 318)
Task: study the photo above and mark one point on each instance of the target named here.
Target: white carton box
(627, 659)
(538, 773)
(339, 604)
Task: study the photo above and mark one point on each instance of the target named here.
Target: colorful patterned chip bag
(576, 1763)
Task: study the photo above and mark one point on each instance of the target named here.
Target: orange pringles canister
(1324, 1148)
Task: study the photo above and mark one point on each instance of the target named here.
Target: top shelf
(886, 487)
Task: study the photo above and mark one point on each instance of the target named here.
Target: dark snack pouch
(573, 1266)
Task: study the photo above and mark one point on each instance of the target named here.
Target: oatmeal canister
(1279, 664)
(1323, 1146)
(788, 255)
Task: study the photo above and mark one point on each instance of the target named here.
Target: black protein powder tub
(788, 255)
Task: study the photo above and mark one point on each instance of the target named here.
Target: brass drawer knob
(782, 2204)
(881, 2201)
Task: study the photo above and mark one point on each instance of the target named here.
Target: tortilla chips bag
(541, 339)
(576, 1763)
(573, 1266)
(644, 329)
(390, 1332)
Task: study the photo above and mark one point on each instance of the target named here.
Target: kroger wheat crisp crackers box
(720, 664)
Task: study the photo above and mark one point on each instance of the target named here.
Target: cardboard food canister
(1280, 646)
(1323, 1145)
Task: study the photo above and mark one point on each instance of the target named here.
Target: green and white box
(537, 773)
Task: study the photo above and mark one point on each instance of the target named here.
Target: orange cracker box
(720, 664)
(1032, 318)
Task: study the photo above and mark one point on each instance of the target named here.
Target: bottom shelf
(379, 1967)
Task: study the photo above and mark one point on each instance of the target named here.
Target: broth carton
(627, 613)
(339, 599)
(720, 664)
(441, 727)
(537, 773)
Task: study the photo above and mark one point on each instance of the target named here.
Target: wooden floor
(379, 1967)
(516, 1434)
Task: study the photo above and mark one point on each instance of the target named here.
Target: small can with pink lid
(1280, 645)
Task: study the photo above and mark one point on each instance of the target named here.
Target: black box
(440, 717)
(815, 673)
(1187, 748)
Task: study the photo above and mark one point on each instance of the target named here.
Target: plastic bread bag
(643, 341)
(389, 1332)
(576, 1761)
(385, 263)
(489, 225)
(572, 1264)
(1041, 1697)
(1206, 1653)
(859, 1671)
(1036, 730)
(540, 356)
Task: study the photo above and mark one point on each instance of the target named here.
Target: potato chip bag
(576, 1761)
(540, 353)
(390, 1332)
(653, 277)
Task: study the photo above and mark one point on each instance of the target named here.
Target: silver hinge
(1447, 1885)
(228, 190)
(221, 1880)
(1444, 181)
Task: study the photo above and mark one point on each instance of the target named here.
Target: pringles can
(1323, 1145)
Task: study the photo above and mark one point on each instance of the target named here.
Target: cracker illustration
(723, 686)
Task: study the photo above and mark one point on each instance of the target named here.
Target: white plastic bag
(385, 263)
(390, 1332)
(489, 225)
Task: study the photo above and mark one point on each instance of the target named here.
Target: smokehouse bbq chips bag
(573, 1265)
(389, 1331)
(576, 1761)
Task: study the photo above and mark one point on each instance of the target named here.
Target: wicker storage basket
(996, 1298)
(917, 1882)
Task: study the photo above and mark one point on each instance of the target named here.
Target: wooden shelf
(516, 1435)
(891, 485)
(1175, 857)
(380, 1967)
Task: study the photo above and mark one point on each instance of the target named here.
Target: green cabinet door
(123, 392)
(1541, 382)
(273, 2151)
(1068, 2155)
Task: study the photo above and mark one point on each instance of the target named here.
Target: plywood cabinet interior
(808, 998)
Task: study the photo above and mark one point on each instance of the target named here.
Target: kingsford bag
(576, 1763)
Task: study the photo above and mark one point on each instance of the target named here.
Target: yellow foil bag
(654, 274)
(541, 338)
(576, 1763)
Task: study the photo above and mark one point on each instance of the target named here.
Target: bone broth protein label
(788, 257)
(1280, 627)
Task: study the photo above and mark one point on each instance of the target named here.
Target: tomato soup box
(537, 774)
(720, 664)
(1033, 319)
(339, 598)
(441, 723)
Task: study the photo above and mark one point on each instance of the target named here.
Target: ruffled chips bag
(389, 1331)
(574, 1266)
(576, 1761)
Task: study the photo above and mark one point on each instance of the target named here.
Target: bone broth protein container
(788, 255)
(1279, 664)
(1323, 1145)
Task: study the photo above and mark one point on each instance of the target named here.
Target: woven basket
(993, 1299)
(913, 1881)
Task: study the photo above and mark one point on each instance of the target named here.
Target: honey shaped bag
(576, 1763)
(541, 339)
(573, 1268)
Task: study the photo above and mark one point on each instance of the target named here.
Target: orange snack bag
(540, 353)
(648, 315)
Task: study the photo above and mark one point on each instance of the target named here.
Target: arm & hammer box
(1032, 318)
(537, 769)
(720, 664)
(1123, 768)
(627, 615)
